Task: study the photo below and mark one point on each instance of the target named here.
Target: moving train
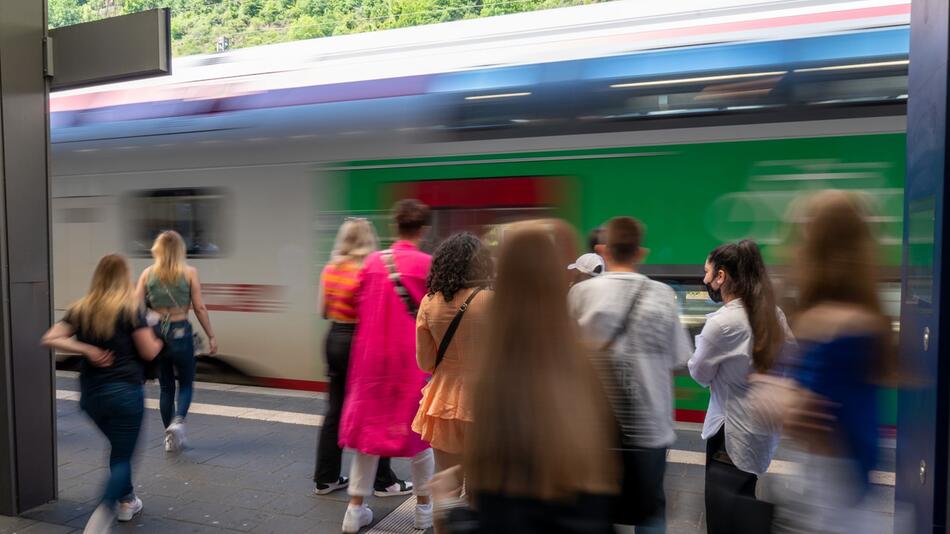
(705, 124)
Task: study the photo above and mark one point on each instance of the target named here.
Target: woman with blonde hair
(108, 327)
(536, 458)
(339, 283)
(170, 288)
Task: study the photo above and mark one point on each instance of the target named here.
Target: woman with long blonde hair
(108, 327)
(170, 288)
(536, 458)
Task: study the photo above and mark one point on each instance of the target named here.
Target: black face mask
(715, 295)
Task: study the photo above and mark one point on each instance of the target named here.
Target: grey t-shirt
(654, 344)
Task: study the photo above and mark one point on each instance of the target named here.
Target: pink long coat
(384, 384)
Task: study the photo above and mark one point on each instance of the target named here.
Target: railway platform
(249, 464)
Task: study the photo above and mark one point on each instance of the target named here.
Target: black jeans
(117, 409)
(642, 501)
(725, 483)
(329, 453)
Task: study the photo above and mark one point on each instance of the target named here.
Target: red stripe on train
(290, 383)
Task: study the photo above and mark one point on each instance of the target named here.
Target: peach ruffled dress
(446, 407)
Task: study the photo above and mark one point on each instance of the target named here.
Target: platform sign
(924, 402)
(114, 49)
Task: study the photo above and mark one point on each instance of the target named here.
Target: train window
(838, 90)
(479, 205)
(690, 95)
(195, 213)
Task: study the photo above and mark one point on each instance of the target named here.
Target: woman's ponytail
(749, 281)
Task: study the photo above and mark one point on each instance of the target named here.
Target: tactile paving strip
(399, 520)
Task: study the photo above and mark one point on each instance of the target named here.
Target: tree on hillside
(198, 24)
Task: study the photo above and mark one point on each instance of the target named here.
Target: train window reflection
(852, 90)
(196, 214)
(483, 222)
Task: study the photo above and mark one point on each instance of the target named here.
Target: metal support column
(924, 402)
(27, 381)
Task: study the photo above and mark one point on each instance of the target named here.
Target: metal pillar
(27, 381)
(924, 403)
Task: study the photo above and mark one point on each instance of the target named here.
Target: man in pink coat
(384, 383)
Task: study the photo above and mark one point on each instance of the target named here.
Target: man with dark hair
(410, 216)
(635, 321)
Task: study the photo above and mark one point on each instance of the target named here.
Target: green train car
(690, 196)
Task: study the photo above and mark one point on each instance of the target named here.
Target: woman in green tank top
(170, 288)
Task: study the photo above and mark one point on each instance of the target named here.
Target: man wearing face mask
(636, 320)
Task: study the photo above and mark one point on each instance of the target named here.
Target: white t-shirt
(654, 344)
(723, 362)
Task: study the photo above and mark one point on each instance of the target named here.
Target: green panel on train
(691, 197)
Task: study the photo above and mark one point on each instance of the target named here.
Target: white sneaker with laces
(125, 511)
(356, 518)
(100, 522)
(423, 519)
(170, 444)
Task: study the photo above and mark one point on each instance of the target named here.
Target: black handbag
(742, 513)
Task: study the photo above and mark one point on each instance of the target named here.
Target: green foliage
(197, 24)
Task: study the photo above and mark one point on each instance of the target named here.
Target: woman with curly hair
(461, 268)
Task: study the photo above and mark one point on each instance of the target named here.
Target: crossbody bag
(610, 370)
(453, 326)
(411, 306)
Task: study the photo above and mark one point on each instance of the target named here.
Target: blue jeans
(117, 409)
(176, 359)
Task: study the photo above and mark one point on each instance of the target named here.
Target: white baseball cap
(589, 263)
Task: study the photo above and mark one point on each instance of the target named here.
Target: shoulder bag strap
(453, 326)
(401, 291)
(625, 322)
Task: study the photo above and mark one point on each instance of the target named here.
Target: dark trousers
(329, 453)
(726, 484)
(177, 359)
(117, 409)
(642, 499)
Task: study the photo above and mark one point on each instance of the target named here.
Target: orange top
(339, 283)
(446, 406)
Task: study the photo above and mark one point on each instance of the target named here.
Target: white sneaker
(125, 511)
(100, 522)
(324, 489)
(170, 444)
(356, 518)
(398, 489)
(423, 519)
(177, 428)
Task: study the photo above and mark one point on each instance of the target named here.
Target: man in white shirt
(639, 319)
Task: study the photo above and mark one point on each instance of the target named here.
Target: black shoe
(323, 489)
(401, 487)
